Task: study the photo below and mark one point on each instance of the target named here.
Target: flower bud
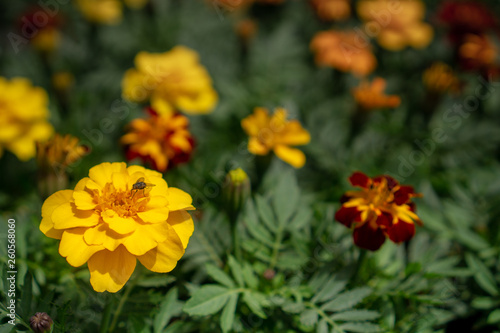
(237, 190)
(41, 323)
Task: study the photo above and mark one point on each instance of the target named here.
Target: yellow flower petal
(121, 225)
(178, 199)
(74, 248)
(52, 202)
(103, 172)
(154, 215)
(109, 271)
(84, 200)
(165, 256)
(292, 156)
(146, 237)
(68, 216)
(183, 225)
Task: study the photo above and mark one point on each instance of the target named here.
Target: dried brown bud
(41, 323)
(269, 274)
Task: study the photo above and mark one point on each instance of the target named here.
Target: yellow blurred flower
(276, 133)
(24, 111)
(344, 51)
(47, 39)
(371, 96)
(135, 4)
(63, 81)
(101, 11)
(108, 224)
(439, 78)
(396, 24)
(175, 79)
(332, 10)
(163, 140)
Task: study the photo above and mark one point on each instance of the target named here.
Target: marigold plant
(383, 208)
(276, 133)
(175, 78)
(371, 96)
(24, 113)
(110, 220)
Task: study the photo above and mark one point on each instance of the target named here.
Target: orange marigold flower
(332, 10)
(371, 96)
(343, 50)
(439, 78)
(175, 78)
(397, 24)
(478, 52)
(59, 152)
(383, 208)
(276, 133)
(116, 216)
(163, 140)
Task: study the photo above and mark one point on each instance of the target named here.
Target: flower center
(124, 203)
(378, 195)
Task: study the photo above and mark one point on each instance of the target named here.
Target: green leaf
(482, 274)
(286, 197)
(169, 308)
(237, 271)
(219, 275)
(253, 303)
(356, 315)
(27, 295)
(209, 299)
(322, 327)
(301, 219)
(249, 276)
(347, 299)
(266, 213)
(471, 239)
(309, 318)
(360, 327)
(329, 290)
(227, 317)
(254, 227)
(483, 303)
(494, 317)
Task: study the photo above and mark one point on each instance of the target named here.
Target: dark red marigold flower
(162, 140)
(383, 208)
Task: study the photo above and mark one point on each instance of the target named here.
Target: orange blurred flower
(396, 24)
(246, 29)
(44, 29)
(332, 10)
(371, 96)
(276, 133)
(478, 53)
(343, 50)
(383, 208)
(439, 78)
(162, 139)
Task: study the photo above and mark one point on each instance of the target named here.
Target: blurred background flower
(332, 10)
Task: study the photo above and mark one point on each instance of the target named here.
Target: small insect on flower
(141, 185)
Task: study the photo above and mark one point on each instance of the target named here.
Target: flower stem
(236, 239)
(359, 263)
(106, 316)
(124, 298)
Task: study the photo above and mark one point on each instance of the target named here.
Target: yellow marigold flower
(60, 151)
(440, 78)
(396, 24)
(47, 39)
(101, 11)
(175, 78)
(342, 50)
(371, 96)
(117, 215)
(23, 117)
(163, 140)
(332, 10)
(276, 133)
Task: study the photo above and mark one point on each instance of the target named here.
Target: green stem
(359, 263)
(323, 315)
(106, 316)
(123, 300)
(276, 247)
(236, 239)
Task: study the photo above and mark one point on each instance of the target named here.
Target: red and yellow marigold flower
(24, 111)
(383, 208)
(344, 51)
(175, 78)
(370, 96)
(276, 133)
(478, 52)
(396, 24)
(332, 10)
(163, 140)
(109, 225)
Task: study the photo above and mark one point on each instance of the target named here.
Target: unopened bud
(269, 274)
(41, 323)
(237, 190)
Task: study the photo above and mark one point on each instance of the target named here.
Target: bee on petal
(141, 185)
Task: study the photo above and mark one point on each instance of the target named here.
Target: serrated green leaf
(355, 315)
(322, 327)
(219, 275)
(360, 327)
(286, 197)
(249, 276)
(254, 305)
(227, 317)
(329, 290)
(482, 274)
(209, 299)
(309, 318)
(169, 308)
(237, 271)
(266, 213)
(494, 317)
(347, 300)
(254, 227)
(293, 307)
(471, 239)
(301, 219)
